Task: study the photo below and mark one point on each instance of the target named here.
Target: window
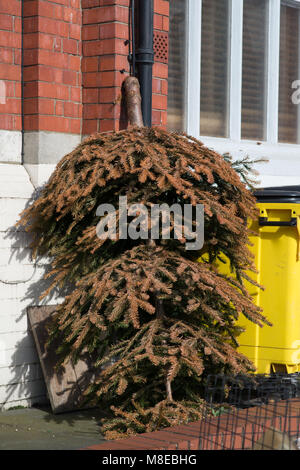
(289, 72)
(254, 69)
(177, 65)
(215, 47)
(232, 66)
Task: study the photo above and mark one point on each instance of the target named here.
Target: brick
(90, 95)
(156, 117)
(113, 62)
(12, 106)
(30, 8)
(75, 94)
(59, 108)
(108, 111)
(107, 125)
(69, 77)
(75, 3)
(98, 48)
(105, 14)
(30, 89)
(71, 109)
(53, 124)
(30, 25)
(91, 111)
(52, 26)
(17, 56)
(11, 7)
(164, 118)
(31, 122)
(109, 95)
(45, 106)
(98, 15)
(74, 63)
(90, 3)
(6, 22)
(49, 74)
(30, 40)
(10, 72)
(72, 15)
(166, 25)
(39, 106)
(70, 46)
(90, 32)
(30, 57)
(161, 7)
(57, 44)
(164, 87)
(45, 41)
(113, 30)
(75, 126)
(89, 126)
(104, 79)
(10, 39)
(75, 31)
(156, 85)
(31, 106)
(50, 58)
(43, 9)
(107, 62)
(10, 89)
(51, 90)
(160, 70)
(7, 122)
(158, 21)
(6, 55)
(111, 79)
(18, 25)
(91, 80)
(58, 12)
(89, 64)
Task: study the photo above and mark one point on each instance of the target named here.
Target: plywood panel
(65, 388)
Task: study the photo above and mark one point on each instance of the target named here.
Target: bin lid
(280, 194)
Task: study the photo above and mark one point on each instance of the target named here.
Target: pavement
(39, 429)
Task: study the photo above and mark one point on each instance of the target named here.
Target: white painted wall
(21, 284)
(21, 379)
(10, 146)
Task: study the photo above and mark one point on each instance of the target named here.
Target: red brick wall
(10, 64)
(105, 64)
(52, 65)
(104, 32)
(160, 68)
(75, 60)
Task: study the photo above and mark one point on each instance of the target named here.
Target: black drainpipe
(145, 56)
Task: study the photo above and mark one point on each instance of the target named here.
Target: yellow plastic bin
(277, 258)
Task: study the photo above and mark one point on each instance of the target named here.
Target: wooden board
(66, 386)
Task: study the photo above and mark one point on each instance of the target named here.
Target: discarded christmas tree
(155, 318)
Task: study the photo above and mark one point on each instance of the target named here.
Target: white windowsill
(282, 168)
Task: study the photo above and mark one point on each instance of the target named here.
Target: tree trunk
(133, 101)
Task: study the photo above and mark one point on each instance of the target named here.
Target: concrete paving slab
(40, 429)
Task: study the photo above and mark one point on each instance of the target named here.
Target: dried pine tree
(155, 319)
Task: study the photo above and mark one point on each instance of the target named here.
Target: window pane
(177, 65)
(255, 40)
(289, 72)
(214, 68)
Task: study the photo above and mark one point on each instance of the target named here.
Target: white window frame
(284, 159)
